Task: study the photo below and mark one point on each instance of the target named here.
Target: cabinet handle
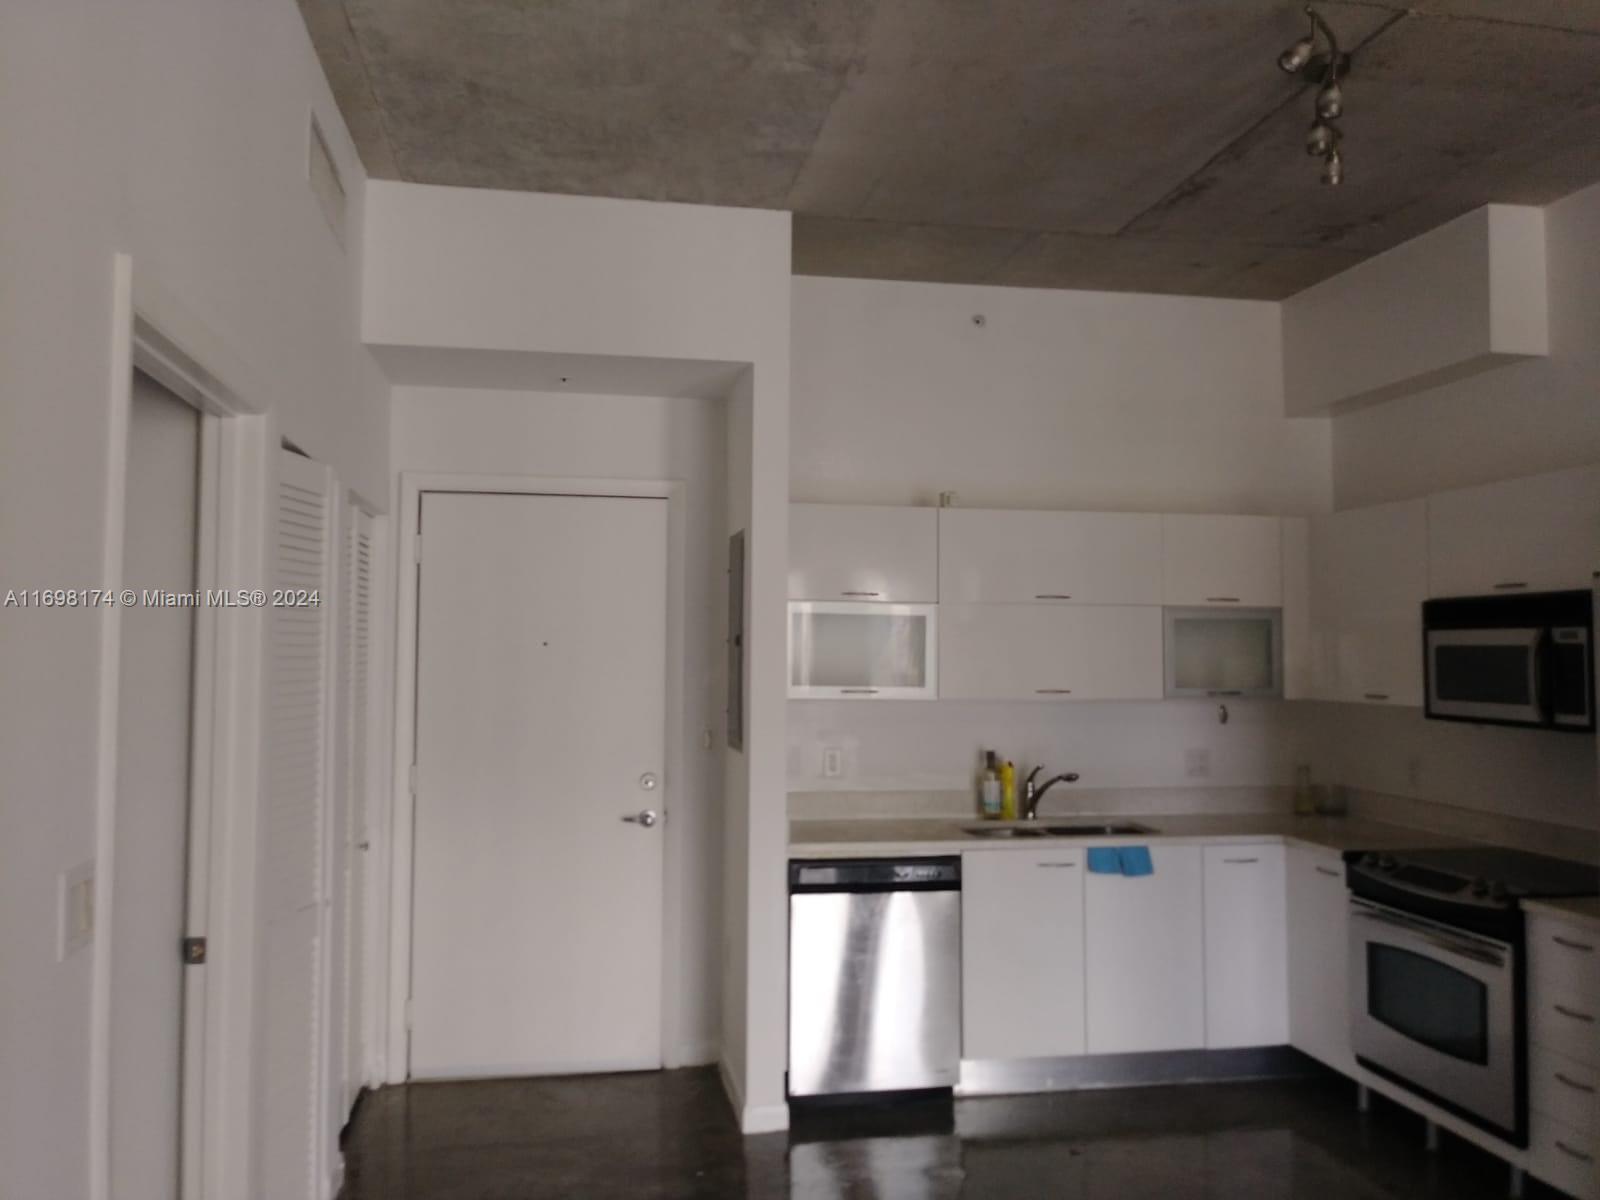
(1510, 586)
(1241, 860)
(1573, 1014)
(1222, 599)
(1581, 947)
(858, 691)
(1574, 1084)
(861, 593)
(1052, 691)
(1328, 871)
(1052, 596)
(1577, 1154)
(1234, 692)
(1064, 866)
(1375, 695)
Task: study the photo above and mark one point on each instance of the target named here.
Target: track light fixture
(1323, 138)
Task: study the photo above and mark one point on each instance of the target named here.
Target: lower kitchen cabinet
(1022, 990)
(1247, 981)
(1319, 976)
(1145, 956)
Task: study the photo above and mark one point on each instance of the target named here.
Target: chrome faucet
(1033, 792)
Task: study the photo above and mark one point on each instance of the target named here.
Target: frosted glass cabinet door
(1213, 652)
(862, 651)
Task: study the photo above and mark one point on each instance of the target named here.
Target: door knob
(646, 818)
(647, 781)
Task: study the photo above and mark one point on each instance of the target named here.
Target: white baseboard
(760, 1118)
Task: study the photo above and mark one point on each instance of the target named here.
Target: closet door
(357, 641)
(292, 868)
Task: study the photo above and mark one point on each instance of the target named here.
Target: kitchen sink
(1126, 829)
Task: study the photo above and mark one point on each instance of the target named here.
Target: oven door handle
(1470, 950)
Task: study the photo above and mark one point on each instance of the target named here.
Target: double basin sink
(1122, 829)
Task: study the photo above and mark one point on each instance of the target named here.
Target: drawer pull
(1375, 695)
(1574, 1084)
(1329, 871)
(1577, 1154)
(1581, 947)
(1510, 585)
(1063, 866)
(1053, 596)
(869, 595)
(858, 691)
(1222, 599)
(1052, 691)
(1241, 861)
(1573, 1014)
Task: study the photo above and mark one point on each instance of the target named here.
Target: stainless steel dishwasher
(874, 975)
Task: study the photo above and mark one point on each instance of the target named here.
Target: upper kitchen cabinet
(1223, 561)
(1368, 581)
(1004, 556)
(1538, 534)
(863, 553)
(1049, 652)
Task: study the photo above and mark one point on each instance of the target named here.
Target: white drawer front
(1564, 958)
(1565, 1023)
(1564, 1157)
(1564, 1089)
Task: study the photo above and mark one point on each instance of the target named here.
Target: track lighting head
(1333, 169)
(1296, 56)
(1320, 139)
(1330, 100)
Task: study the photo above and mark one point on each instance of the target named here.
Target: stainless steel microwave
(1511, 660)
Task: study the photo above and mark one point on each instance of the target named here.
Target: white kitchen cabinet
(1217, 651)
(1369, 578)
(863, 651)
(1319, 976)
(1221, 560)
(1022, 991)
(1049, 652)
(861, 552)
(1537, 534)
(1013, 556)
(1247, 975)
(1145, 955)
(1297, 678)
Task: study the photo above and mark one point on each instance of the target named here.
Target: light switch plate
(75, 905)
(832, 762)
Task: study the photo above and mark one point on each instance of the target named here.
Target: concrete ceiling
(1131, 145)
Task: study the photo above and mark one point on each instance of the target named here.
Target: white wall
(566, 435)
(1520, 419)
(175, 132)
(1060, 400)
(471, 269)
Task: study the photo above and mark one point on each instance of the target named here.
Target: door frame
(152, 332)
(397, 838)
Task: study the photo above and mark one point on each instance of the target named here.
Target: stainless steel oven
(1511, 660)
(1437, 1009)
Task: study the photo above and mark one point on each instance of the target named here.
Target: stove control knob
(1386, 863)
(1369, 860)
(1497, 890)
(1480, 888)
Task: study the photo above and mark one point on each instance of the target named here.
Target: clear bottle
(989, 789)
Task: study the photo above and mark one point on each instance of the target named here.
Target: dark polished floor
(671, 1134)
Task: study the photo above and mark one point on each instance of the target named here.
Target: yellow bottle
(1008, 792)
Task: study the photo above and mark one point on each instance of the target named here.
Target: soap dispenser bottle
(1008, 791)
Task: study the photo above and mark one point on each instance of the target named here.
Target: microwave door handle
(1540, 678)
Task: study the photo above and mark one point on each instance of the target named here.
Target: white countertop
(1584, 910)
(943, 835)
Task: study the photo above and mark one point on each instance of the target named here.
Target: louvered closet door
(292, 868)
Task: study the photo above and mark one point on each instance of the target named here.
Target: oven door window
(1429, 1002)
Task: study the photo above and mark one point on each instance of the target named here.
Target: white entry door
(541, 690)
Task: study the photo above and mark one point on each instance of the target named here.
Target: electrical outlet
(75, 904)
(832, 762)
(1197, 763)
